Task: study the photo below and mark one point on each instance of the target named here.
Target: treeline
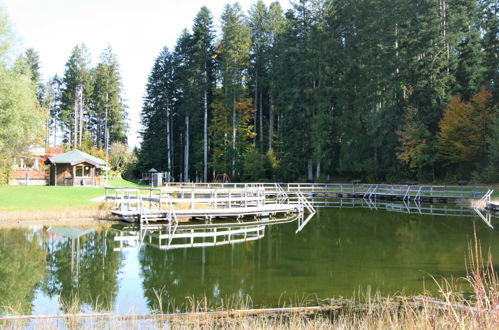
(369, 89)
(86, 103)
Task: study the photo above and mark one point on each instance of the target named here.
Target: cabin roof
(75, 157)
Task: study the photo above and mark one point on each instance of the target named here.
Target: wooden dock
(313, 191)
(211, 213)
(235, 200)
(170, 203)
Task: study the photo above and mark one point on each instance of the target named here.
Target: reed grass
(92, 211)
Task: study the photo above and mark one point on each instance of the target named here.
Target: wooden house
(75, 168)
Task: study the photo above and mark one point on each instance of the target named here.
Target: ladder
(304, 203)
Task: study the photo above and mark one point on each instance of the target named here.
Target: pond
(340, 252)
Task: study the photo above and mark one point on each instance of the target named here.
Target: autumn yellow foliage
(463, 130)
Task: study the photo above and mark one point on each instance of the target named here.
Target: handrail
(304, 202)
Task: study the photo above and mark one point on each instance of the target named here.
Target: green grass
(15, 198)
(122, 183)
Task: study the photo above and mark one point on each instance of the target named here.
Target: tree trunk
(256, 109)
(271, 122)
(186, 150)
(99, 131)
(75, 125)
(205, 129)
(80, 96)
(261, 122)
(310, 170)
(168, 143)
(234, 147)
(55, 132)
(318, 170)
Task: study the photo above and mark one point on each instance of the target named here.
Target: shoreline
(95, 212)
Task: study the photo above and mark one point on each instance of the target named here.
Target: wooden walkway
(211, 213)
(368, 191)
(168, 204)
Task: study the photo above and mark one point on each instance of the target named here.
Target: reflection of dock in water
(189, 237)
(413, 207)
(169, 237)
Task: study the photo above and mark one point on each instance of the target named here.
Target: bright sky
(137, 30)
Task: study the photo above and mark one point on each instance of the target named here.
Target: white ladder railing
(305, 203)
(418, 194)
(281, 196)
(406, 195)
(486, 196)
(486, 218)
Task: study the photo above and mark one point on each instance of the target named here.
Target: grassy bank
(25, 198)
(47, 202)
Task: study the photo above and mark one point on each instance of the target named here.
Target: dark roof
(75, 157)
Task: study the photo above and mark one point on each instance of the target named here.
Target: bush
(257, 167)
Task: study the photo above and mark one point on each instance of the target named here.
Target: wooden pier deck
(168, 204)
(311, 191)
(233, 212)
(236, 200)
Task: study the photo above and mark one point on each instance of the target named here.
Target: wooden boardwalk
(168, 204)
(211, 213)
(367, 191)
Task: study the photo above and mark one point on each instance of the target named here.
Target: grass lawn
(46, 197)
(14, 198)
(122, 183)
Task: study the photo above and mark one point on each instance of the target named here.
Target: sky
(137, 30)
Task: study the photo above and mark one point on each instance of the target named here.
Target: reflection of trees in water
(82, 271)
(340, 252)
(21, 268)
(214, 273)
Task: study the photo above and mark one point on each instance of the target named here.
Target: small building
(75, 168)
(28, 168)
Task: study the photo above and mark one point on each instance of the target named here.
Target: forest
(328, 90)
(82, 109)
(354, 89)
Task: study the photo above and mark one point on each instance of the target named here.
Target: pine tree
(33, 61)
(157, 112)
(51, 102)
(490, 44)
(186, 104)
(106, 103)
(76, 76)
(259, 27)
(203, 68)
(234, 60)
(276, 24)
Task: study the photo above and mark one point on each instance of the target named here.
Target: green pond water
(339, 252)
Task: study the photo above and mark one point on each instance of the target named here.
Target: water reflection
(339, 251)
(192, 235)
(81, 268)
(411, 207)
(22, 267)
